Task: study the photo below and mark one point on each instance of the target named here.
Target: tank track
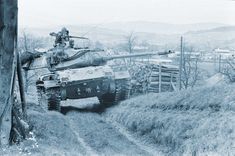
(54, 103)
(122, 90)
(53, 96)
(49, 100)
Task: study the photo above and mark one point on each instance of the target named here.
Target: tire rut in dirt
(101, 136)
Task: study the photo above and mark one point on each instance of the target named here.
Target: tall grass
(200, 121)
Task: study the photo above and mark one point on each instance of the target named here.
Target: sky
(38, 13)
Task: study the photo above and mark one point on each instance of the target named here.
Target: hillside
(217, 29)
(159, 28)
(221, 37)
(199, 121)
(203, 36)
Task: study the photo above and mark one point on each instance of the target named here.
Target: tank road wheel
(54, 103)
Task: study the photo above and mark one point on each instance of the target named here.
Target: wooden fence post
(181, 63)
(8, 46)
(160, 78)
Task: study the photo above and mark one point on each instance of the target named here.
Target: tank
(83, 78)
(77, 73)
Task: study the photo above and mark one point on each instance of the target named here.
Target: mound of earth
(189, 122)
(51, 135)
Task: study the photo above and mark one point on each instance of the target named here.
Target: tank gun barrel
(79, 37)
(99, 60)
(84, 38)
(107, 58)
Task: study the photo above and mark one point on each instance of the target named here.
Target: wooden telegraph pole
(8, 45)
(160, 78)
(181, 62)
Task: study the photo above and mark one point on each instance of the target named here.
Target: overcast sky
(62, 12)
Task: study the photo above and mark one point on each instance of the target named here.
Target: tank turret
(63, 56)
(71, 59)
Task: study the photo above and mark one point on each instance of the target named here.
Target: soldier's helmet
(65, 31)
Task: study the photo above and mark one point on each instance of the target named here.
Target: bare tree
(130, 42)
(190, 71)
(28, 43)
(228, 69)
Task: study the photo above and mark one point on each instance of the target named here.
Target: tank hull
(87, 88)
(101, 82)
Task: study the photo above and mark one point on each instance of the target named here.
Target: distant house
(193, 55)
(140, 48)
(223, 53)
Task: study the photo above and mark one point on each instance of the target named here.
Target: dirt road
(77, 132)
(100, 137)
